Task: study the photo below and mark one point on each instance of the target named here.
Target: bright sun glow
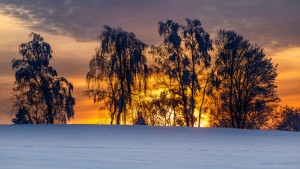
(71, 59)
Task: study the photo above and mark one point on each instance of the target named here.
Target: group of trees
(230, 80)
(236, 87)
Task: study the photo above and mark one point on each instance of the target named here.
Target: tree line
(177, 82)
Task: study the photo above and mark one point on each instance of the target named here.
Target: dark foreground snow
(142, 147)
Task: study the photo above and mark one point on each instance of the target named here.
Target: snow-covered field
(143, 147)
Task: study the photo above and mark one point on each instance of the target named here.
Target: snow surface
(144, 147)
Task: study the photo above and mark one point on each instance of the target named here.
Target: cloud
(273, 25)
(263, 22)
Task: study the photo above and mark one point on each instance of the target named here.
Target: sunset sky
(72, 26)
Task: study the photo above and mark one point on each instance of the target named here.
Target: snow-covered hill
(143, 147)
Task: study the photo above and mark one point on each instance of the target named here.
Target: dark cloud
(270, 23)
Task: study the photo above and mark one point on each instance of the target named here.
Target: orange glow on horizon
(288, 80)
(71, 58)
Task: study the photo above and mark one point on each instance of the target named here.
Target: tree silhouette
(207, 93)
(183, 56)
(118, 65)
(290, 119)
(247, 90)
(21, 117)
(140, 120)
(45, 97)
(171, 61)
(197, 44)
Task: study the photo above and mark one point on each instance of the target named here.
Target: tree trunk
(199, 118)
(119, 117)
(202, 102)
(50, 119)
(174, 118)
(186, 111)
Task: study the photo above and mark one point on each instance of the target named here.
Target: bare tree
(118, 65)
(45, 97)
(183, 56)
(290, 119)
(247, 76)
(172, 61)
(197, 45)
(21, 117)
